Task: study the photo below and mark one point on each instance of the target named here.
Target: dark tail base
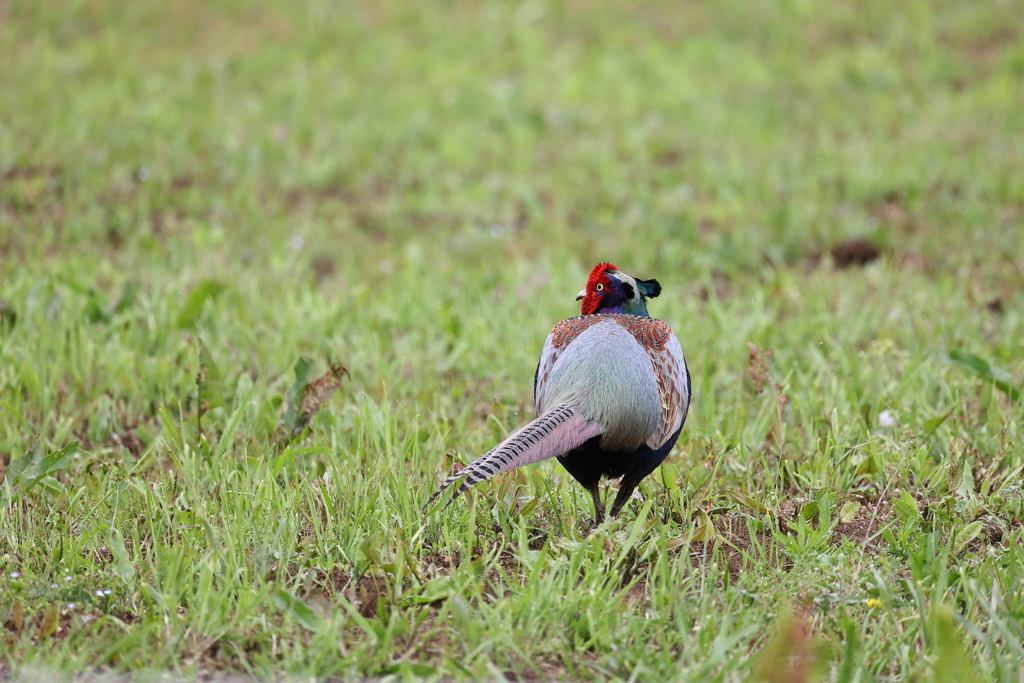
(588, 463)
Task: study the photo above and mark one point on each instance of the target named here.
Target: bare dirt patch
(854, 252)
(864, 528)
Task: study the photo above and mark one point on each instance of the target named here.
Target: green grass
(418, 192)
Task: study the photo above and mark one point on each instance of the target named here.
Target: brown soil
(854, 252)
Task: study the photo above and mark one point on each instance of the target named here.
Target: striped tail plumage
(554, 433)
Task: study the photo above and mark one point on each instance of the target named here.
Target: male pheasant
(612, 391)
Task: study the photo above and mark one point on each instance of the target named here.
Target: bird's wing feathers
(660, 342)
(554, 433)
(561, 336)
(662, 346)
(674, 390)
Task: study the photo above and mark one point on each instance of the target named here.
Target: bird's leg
(626, 489)
(595, 493)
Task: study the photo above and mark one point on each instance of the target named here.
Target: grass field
(196, 196)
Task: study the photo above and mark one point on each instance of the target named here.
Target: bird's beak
(583, 293)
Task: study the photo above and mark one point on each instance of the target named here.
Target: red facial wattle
(592, 298)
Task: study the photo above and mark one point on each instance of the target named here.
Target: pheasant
(612, 391)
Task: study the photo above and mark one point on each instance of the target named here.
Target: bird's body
(611, 389)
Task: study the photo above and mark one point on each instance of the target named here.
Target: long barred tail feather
(454, 478)
(554, 433)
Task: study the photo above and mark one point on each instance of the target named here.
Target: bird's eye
(599, 287)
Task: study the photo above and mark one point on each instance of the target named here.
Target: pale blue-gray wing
(609, 379)
(548, 356)
(562, 335)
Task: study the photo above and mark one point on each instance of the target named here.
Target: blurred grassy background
(319, 147)
(679, 137)
(418, 190)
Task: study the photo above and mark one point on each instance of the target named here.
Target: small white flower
(54, 585)
(72, 605)
(298, 243)
(886, 419)
(99, 593)
(15, 575)
(107, 592)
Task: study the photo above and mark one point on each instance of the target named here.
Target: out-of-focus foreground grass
(832, 195)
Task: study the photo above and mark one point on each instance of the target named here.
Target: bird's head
(609, 290)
